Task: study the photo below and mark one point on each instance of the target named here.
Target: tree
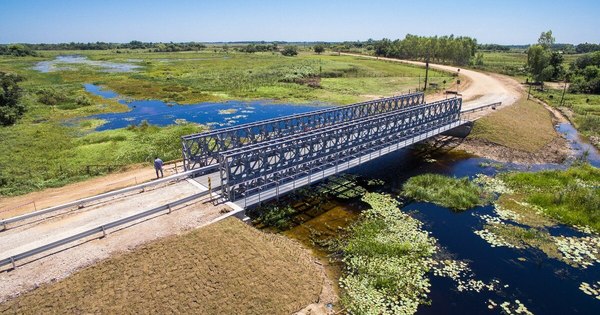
(319, 48)
(290, 51)
(10, 93)
(556, 62)
(538, 59)
(546, 40)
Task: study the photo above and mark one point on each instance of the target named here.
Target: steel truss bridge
(262, 160)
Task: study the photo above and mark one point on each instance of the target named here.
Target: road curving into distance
(482, 89)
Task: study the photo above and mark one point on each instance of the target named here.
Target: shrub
(454, 193)
(290, 51)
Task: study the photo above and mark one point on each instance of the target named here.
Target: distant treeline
(385, 47)
(134, 44)
(16, 50)
(493, 47)
(445, 49)
(565, 48)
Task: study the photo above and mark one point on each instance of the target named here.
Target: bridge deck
(316, 175)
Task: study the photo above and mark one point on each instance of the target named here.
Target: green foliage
(570, 196)
(546, 39)
(538, 60)
(11, 108)
(290, 51)
(275, 216)
(38, 156)
(319, 49)
(17, 50)
(587, 48)
(543, 63)
(386, 260)
(585, 76)
(583, 108)
(454, 193)
(445, 49)
(51, 96)
(479, 59)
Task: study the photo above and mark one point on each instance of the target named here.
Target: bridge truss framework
(203, 149)
(254, 168)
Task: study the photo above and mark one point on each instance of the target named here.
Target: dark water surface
(212, 114)
(544, 285)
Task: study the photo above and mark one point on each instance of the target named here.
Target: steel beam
(300, 154)
(203, 149)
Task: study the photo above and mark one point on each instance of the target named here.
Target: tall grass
(38, 156)
(453, 193)
(571, 196)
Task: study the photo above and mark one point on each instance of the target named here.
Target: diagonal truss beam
(288, 157)
(203, 149)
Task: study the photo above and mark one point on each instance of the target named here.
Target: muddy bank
(557, 151)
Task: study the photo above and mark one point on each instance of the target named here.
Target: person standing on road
(158, 166)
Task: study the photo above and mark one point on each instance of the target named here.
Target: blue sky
(499, 21)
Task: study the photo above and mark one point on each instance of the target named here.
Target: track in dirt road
(483, 88)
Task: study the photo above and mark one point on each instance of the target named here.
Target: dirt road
(482, 89)
(13, 206)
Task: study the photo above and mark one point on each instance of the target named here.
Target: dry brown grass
(224, 268)
(525, 126)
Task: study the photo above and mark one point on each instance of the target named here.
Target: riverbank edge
(556, 151)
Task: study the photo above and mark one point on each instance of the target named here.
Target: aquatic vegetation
(513, 208)
(276, 216)
(582, 252)
(386, 259)
(492, 184)
(568, 196)
(454, 193)
(509, 307)
(495, 165)
(229, 111)
(591, 289)
(462, 275)
(375, 182)
(345, 187)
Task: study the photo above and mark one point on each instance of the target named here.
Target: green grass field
(42, 151)
(571, 196)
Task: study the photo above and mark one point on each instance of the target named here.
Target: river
(224, 114)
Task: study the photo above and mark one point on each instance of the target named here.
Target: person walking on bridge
(158, 166)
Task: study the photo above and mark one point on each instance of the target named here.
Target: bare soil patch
(224, 268)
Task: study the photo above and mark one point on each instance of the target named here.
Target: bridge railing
(262, 163)
(99, 230)
(273, 188)
(203, 149)
(80, 203)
